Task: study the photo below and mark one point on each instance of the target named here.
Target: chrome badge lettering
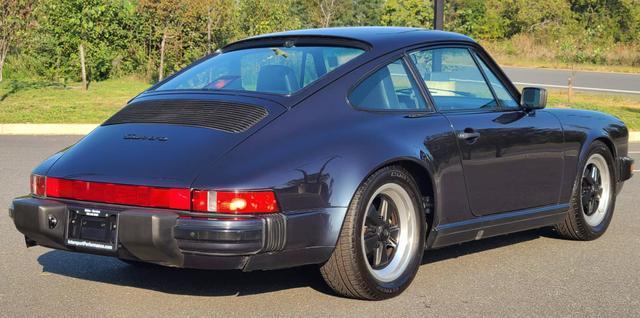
(143, 137)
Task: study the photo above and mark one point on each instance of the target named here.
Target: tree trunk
(83, 67)
(162, 45)
(4, 50)
(327, 8)
(3, 55)
(209, 31)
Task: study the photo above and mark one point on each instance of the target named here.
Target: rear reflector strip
(144, 196)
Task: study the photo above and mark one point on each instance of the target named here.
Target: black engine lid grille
(229, 117)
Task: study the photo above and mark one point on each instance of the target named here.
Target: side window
(309, 70)
(501, 92)
(453, 79)
(389, 88)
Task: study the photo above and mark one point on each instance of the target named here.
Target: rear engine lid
(164, 140)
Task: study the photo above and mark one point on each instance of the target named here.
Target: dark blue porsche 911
(351, 148)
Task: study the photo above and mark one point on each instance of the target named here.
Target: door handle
(469, 135)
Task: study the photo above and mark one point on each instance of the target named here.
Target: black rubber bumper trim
(626, 170)
(158, 236)
(221, 237)
(30, 216)
(149, 236)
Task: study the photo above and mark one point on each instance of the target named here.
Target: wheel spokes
(394, 231)
(591, 189)
(381, 256)
(371, 241)
(589, 175)
(595, 175)
(384, 209)
(392, 242)
(377, 256)
(380, 233)
(373, 218)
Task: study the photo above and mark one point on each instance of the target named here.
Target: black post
(438, 14)
(438, 24)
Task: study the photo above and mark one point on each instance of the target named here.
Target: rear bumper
(220, 242)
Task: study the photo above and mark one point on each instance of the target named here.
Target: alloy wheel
(595, 191)
(389, 232)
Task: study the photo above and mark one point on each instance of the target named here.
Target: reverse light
(38, 185)
(235, 202)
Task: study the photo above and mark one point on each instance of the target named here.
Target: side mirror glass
(534, 98)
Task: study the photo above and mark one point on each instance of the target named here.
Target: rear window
(280, 70)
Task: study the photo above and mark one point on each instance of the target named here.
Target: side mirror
(533, 98)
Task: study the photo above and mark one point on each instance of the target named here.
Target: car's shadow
(456, 251)
(223, 283)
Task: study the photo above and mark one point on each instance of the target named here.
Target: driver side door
(512, 159)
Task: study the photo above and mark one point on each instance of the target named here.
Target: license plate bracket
(92, 229)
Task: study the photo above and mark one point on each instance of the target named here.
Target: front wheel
(381, 243)
(593, 198)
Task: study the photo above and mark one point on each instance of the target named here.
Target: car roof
(376, 36)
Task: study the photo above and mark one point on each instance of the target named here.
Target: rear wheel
(381, 243)
(593, 198)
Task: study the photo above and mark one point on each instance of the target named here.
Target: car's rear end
(125, 189)
(131, 188)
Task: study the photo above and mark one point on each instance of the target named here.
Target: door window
(453, 79)
(501, 92)
(390, 88)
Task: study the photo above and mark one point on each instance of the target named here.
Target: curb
(83, 129)
(46, 129)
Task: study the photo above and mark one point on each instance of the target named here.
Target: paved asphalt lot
(527, 274)
(589, 81)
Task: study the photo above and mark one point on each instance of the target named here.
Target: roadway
(616, 83)
(527, 274)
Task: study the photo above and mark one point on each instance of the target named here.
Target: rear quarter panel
(318, 153)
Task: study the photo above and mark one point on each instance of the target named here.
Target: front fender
(581, 128)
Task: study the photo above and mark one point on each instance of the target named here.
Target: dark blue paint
(315, 149)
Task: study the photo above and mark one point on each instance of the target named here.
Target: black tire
(575, 225)
(347, 271)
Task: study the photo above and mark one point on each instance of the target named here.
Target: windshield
(280, 70)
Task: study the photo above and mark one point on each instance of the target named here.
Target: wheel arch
(423, 173)
(608, 142)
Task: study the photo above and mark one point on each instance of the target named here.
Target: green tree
(83, 35)
(326, 11)
(164, 19)
(476, 18)
(258, 17)
(218, 15)
(410, 13)
(15, 16)
(363, 12)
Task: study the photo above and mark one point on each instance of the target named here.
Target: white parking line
(634, 152)
(580, 88)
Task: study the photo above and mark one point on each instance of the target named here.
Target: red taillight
(168, 198)
(236, 202)
(38, 185)
(239, 202)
